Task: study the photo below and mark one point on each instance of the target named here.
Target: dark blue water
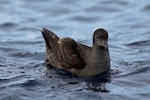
(22, 49)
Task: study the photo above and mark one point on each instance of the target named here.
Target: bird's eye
(97, 37)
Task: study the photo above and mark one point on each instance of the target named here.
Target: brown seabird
(79, 59)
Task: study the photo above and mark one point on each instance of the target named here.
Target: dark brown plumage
(82, 60)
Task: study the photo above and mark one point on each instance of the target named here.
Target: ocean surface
(23, 75)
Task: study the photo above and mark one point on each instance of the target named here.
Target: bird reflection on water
(96, 83)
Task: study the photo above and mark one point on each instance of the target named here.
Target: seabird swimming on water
(79, 59)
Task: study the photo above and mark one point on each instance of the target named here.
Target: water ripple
(8, 25)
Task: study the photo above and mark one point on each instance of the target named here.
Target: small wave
(101, 9)
(140, 70)
(115, 2)
(30, 83)
(20, 53)
(146, 8)
(4, 80)
(8, 49)
(26, 54)
(58, 12)
(11, 97)
(134, 68)
(10, 43)
(7, 24)
(17, 52)
(140, 43)
(84, 19)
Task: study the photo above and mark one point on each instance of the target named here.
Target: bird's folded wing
(50, 39)
(69, 56)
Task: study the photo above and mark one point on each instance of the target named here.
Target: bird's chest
(98, 60)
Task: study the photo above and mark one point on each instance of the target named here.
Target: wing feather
(69, 56)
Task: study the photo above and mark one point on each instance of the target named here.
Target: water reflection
(96, 83)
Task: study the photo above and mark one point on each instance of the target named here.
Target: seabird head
(100, 38)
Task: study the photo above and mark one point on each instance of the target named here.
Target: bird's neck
(100, 58)
(98, 51)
